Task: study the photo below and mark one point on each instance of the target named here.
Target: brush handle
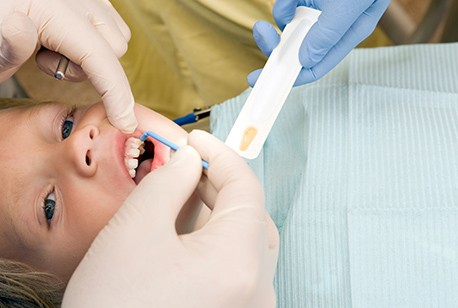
(168, 143)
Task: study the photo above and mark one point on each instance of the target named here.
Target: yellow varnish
(248, 137)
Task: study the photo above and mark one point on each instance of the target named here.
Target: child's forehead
(20, 122)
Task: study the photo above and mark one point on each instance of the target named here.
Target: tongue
(143, 169)
(161, 154)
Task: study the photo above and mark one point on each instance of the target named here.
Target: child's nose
(79, 148)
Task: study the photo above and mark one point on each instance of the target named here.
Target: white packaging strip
(265, 101)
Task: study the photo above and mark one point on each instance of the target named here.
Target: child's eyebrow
(45, 116)
(38, 108)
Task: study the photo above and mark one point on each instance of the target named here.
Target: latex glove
(88, 32)
(342, 25)
(138, 260)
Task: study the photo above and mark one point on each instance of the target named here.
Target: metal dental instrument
(61, 68)
(193, 117)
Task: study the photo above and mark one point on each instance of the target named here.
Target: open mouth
(145, 161)
(140, 158)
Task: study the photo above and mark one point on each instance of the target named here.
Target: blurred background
(405, 22)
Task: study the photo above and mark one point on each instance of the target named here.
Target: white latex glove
(138, 260)
(88, 32)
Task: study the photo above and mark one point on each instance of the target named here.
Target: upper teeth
(133, 149)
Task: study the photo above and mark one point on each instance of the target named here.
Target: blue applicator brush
(168, 143)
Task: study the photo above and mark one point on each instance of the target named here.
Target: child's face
(63, 178)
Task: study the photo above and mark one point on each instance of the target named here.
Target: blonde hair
(6, 103)
(22, 286)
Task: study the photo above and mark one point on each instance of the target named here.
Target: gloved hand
(139, 260)
(342, 25)
(88, 32)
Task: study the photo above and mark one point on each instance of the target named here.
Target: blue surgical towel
(361, 178)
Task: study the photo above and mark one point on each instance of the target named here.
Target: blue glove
(342, 25)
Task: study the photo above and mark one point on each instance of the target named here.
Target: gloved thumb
(265, 36)
(18, 41)
(253, 77)
(284, 11)
(161, 194)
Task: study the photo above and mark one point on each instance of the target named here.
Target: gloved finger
(337, 22)
(95, 57)
(273, 242)
(121, 24)
(18, 41)
(253, 77)
(271, 255)
(230, 175)
(159, 197)
(48, 61)
(109, 30)
(323, 35)
(361, 28)
(284, 11)
(265, 36)
(207, 192)
(239, 219)
(117, 96)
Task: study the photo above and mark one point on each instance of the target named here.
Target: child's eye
(49, 206)
(66, 123)
(67, 126)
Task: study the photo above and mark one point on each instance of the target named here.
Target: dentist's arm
(139, 260)
(88, 32)
(342, 25)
